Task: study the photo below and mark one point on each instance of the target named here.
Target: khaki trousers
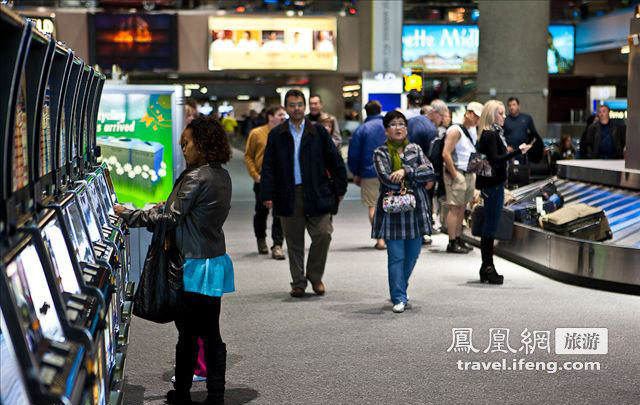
(320, 229)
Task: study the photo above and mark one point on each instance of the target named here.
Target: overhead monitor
(135, 42)
(453, 48)
(62, 265)
(89, 216)
(250, 43)
(561, 52)
(20, 139)
(29, 284)
(440, 48)
(13, 389)
(78, 232)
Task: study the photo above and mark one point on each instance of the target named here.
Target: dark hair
(210, 139)
(391, 115)
(373, 107)
(294, 93)
(315, 95)
(272, 110)
(191, 103)
(513, 99)
(605, 106)
(414, 97)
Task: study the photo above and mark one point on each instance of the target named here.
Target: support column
(512, 59)
(632, 154)
(329, 88)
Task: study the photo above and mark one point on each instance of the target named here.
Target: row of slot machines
(65, 294)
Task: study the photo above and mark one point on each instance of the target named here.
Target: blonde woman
(492, 143)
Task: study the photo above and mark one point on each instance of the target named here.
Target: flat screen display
(29, 284)
(62, 149)
(97, 202)
(89, 216)
(452, 49)
(440, 48)
(561, 52)
(79, 236)
(62, 266)
(20, 139)
(46, 144)
(142, 42)
(273, 43)
(12, 386)
(104, 192)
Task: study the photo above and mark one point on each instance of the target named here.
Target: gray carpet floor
(349, 348)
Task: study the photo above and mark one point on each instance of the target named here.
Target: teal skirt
(212, 277)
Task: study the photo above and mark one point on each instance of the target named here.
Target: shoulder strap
(466, 132)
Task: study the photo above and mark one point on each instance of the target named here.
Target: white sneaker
(196, 378)
(399, 308)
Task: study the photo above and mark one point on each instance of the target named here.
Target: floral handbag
(394, 202)
(479, 164)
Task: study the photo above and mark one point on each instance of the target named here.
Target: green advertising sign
(135, 134)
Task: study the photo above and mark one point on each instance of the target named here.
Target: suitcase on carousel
(579, 221)
(528, 212)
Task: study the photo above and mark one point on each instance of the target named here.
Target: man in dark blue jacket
(364, 141)
(303, 178)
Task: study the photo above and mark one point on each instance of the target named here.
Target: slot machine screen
(104, 193)
(79, 236)
(89, 216)
(29, 284)
(62, 149)
(20, 141)
(54, 239)
(46, 145)
(12, 385)
(98, 203)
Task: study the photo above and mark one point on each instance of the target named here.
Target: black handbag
(158, 296)
(505, 223)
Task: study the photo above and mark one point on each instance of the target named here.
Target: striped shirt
(418, 171)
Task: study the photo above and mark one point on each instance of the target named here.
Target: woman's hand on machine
(118, 209)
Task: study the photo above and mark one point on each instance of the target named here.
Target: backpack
(435, 154)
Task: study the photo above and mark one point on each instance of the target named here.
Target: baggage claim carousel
(611, 265)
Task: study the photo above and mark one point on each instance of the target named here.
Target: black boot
(453, 247)
(216, 370)
(463, 244)
(175, 397)
(489, 274)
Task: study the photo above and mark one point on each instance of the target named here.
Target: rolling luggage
(578, 221)
(528, 212)
(505, 224)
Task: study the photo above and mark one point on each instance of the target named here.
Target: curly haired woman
(196, 211)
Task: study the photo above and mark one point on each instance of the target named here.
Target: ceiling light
(203, 90)
(625, 50)
(290, 13)
(243, 97)
(351, 87)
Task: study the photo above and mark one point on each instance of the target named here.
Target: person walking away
(605, 138)
(317, 115)
(492, 143)
(229, 124)
(253, 156)
(459, 144)
(414, 101)
(365, 139)
(303, 179)
(195, 213)
(400, 164)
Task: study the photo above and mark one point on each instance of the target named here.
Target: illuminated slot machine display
(46, 143)
(58, 362)
(20, 141)
(13, 386)
(83, 311)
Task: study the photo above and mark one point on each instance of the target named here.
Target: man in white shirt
(459, 184)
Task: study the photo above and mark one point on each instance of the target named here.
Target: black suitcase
(526, 212)
(505, 224)
(579, 221)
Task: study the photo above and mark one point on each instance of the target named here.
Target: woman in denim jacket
(399, 163)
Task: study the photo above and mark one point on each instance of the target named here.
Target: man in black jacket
(304, 179)
(605, 139)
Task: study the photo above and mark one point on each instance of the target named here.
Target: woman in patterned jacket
(400, 164)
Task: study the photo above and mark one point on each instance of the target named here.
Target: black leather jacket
(196, 208)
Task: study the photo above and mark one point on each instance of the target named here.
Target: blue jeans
(402, 256)
(493, 202)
